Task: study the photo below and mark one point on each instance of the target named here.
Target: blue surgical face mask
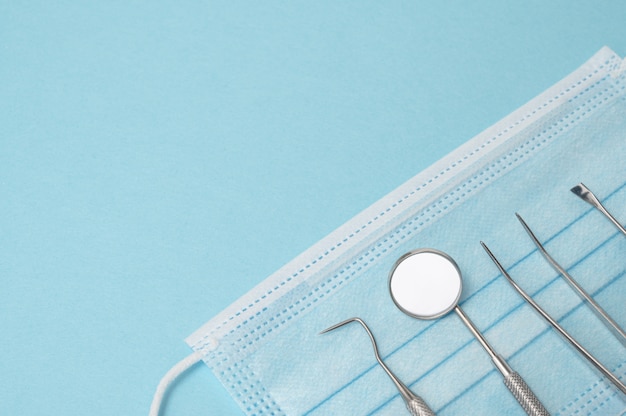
(266, 348)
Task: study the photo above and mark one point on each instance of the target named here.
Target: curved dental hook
(374, 345)
(415, 404)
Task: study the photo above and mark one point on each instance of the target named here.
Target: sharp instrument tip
(340, 324)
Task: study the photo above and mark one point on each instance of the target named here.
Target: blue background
(157, 160)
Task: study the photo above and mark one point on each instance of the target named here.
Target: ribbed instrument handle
(418, 407)
(524, 395)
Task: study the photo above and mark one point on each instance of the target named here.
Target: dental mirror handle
(512, 380)
(524, 395)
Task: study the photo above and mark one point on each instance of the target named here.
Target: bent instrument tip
(414, 403)
(593, 360)
(342, 323)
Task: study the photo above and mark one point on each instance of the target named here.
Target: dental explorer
(602, 314)
(415, 404)
(597, 364)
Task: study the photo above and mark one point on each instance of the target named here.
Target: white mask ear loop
(174, 372)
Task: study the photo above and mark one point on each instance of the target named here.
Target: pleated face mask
(267, 350)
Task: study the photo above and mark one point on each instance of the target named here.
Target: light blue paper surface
(266, 349)
(158, 160)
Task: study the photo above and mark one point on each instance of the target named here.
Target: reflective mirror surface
(425, 283)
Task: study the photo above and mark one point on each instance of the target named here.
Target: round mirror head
(425, 283)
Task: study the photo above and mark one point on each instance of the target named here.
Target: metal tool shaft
(613, 326)
(498, 361)
(597, 364)
(512, 380)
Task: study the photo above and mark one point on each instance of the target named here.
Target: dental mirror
(426, 284)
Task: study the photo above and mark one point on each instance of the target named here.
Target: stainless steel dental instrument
(415, 404)
(605, 317)
(586, 195)
(427, 284)
(556, 326)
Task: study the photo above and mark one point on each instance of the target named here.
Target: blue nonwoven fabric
(266, 348)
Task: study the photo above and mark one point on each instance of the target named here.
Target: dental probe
(556, 326)
(602, 314)
(415, 404)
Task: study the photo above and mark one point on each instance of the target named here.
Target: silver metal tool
(597, 364)
(605, 317)
(427, 284)
(586, 195)
(415, 404)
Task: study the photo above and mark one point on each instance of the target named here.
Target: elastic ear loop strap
(174, 372)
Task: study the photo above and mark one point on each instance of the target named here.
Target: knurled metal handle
(524, 395)
(418, 407)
